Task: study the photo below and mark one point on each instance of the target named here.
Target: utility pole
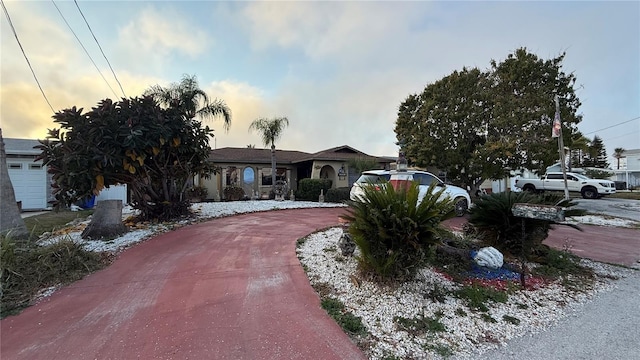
(557, 132)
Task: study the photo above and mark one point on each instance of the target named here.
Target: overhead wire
(100, 47)
(13, 29)
(83, 48)
(614, 125)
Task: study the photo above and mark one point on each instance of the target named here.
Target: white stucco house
(629, 171)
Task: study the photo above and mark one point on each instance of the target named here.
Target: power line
(609, 127)
(83, 48)
(100, 47)
(25, 55)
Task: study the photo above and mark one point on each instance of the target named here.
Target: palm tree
(579, 146)
(270, 130)
(187, 96)
(617, 153)
(10, 219)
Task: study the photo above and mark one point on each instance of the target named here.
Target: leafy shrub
(477, 296)
(349, 322)
(420, 325)
(556, 263)
(598, 174)
(26, 269)
(392, 231)
(337, 195)
(198, 192)
(309, 189)
(233, 193)
(495, 223)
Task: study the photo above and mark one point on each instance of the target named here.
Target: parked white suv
(462, 200)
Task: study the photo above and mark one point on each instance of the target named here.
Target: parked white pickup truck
(553, 181)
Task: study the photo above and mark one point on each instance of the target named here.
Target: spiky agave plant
(393, 229)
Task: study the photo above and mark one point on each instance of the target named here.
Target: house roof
(252, 155)
(14, 146)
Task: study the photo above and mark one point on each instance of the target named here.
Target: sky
(338, 70)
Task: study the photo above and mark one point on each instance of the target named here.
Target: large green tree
(155, 151)
(270, 130)
(579, 149)
(524, 87)
(596, 154)
(480, 125)
(445, 126)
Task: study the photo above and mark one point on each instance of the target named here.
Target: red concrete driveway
(600, 243)
(230, 288)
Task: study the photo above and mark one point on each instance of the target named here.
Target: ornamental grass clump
(394, 231)
(26, 268)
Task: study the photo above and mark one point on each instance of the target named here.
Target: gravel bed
(144, 231)
(468, 332)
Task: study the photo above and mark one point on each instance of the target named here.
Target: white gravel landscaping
(203, 211)
(466, 335)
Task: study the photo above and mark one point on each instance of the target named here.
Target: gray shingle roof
(249, 155)
(21, 146)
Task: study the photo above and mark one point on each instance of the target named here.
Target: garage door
(29, 181)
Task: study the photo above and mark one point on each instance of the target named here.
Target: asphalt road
(606, 328)
(622, 208)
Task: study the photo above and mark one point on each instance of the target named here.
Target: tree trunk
(450, 250)
(10, 220)
(106, 222)
(273, 168)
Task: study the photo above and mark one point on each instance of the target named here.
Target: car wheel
(461, 206)
(529, 188)
(589, 193)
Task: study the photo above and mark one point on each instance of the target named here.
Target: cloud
(163, 32)
(335, 30)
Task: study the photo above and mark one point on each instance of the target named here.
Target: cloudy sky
(338, 70)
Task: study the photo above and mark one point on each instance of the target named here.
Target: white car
(462, 200)
(576, 183)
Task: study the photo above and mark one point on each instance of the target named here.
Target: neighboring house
(250, 168)
(31, 182)
(29, 178)
(629, 171)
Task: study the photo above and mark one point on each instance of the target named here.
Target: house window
(232, 176)
(281, 174)
(15, 166)
(248, 176)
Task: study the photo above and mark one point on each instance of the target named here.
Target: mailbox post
(534, 211)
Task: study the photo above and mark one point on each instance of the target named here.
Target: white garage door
(29, 181)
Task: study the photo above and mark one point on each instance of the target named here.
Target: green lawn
(52, 220)
(626, 195)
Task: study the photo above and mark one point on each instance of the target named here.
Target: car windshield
(582, 177)
(373, 178)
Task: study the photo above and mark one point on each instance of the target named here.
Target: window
(35, 166)
(232, 176)
(281, 175)
(15, 166)
(554, 177)
(248, 176)
(425, 179)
